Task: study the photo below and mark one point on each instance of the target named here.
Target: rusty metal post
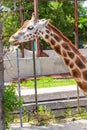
(21, 21)
(2, 110)
(76, 43)
(76, 22)
(36, 16)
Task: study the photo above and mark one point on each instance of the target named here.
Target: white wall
(44, 65)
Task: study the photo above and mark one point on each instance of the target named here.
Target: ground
(68, 125)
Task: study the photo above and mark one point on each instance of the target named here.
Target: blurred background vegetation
(61, 15)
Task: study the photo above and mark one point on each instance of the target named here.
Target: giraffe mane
(50, 26)
(24, 25)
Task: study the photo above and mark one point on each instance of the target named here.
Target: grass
(45, 82)
(81, 115)
(45, 116)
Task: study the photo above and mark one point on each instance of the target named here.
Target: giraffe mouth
(14, 43)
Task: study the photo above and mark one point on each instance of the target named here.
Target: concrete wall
(44, 66)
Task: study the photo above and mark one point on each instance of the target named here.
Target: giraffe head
(29, 31)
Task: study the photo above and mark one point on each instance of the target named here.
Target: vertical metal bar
(36, 17)
(21, 20)
(76, 43)
(37, 53)
(36, 8)
(19, 90)
(76, 22)
(2, 111)
(35, 83)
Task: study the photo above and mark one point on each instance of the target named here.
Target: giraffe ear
(33, 16)
(48, 20)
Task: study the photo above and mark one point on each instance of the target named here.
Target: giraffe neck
(75, 61)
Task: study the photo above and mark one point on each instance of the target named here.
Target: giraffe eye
(30, 27)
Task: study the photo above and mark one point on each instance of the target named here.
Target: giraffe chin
(15, 44)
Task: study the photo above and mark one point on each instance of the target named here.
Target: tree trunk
(2, 115)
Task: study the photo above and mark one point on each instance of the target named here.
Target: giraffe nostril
(13, 37)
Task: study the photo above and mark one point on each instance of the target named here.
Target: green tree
(11, 103)
(61, 15)
(82, 25)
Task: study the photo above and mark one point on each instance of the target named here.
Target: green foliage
(11, 102)
(43, 117)
(68, 112)
(82, 25)
(81, 115)
(61, 15)
(44, 111)
(11, 26)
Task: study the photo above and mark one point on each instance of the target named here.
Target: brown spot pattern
(78, 53)
(51, 34)
(85, 74)
(42, 33)
(51, 27)
(64, 53)
(57, 48)
(83, 85)
(57, 38)
(71, 54)
(36, 31)
(46, 36)
(47, 31)
(79, 63)
(66, 61)
(76, 73)
(65, 46)
(52, 41)
(71, 65)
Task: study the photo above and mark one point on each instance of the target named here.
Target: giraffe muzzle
(13, 40)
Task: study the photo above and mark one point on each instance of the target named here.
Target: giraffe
(75, 61)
